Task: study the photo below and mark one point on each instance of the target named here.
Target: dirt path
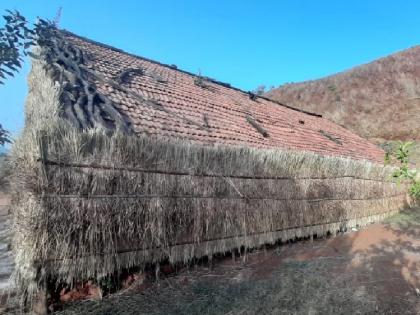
(372, 271)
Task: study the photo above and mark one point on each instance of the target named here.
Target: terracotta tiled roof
(209, 112)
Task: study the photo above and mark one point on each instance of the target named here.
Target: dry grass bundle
(88, 203)
(109, 202)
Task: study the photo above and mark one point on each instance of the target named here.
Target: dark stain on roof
(208, 111)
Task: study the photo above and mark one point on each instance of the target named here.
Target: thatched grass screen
(89, 204)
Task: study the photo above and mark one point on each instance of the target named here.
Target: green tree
(16, 38)
(404, 172)
(4, 136)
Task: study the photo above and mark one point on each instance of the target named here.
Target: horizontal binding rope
(206, 197)
(143, 170)
(224, 237)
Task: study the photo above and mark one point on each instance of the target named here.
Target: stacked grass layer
(88, 204)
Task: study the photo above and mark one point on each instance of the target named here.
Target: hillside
(379, 100)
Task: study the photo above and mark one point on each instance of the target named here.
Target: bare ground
(372, 271)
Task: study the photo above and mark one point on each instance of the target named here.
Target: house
(125, 161)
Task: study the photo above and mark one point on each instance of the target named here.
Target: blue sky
(245, 43)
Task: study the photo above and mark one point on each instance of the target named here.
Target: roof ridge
(226, 85)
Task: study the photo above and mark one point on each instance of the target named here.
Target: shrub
(402, 155)
(415, 190)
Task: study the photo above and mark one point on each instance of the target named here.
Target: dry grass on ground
(374, 271)
(416, 154)
(295, 288)
(378, 100)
